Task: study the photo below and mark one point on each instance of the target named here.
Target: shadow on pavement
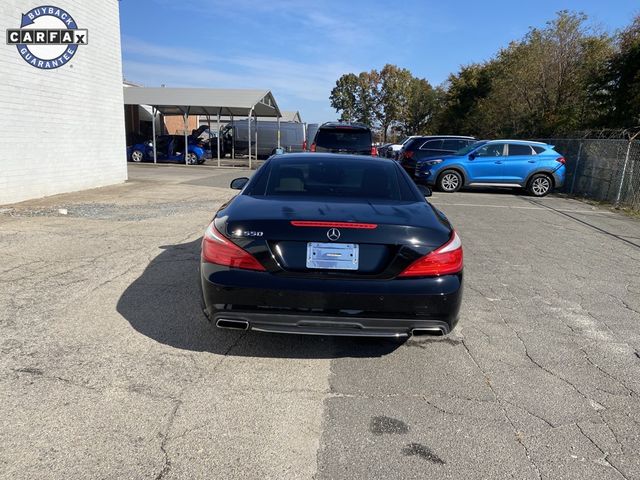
(495, 190)
(164, 304)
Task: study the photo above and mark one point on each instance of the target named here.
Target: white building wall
(62, 130)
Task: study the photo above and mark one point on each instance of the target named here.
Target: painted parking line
(521, 208)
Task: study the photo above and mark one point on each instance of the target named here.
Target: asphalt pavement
(109, 370)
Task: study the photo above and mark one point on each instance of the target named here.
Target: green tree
(367, 103)
(537, 86)
(616, 93)
(540, 86)
(343, 97)
(356, 98)
(462, 99)
(393, 94)
(391, 99)
(422, 104)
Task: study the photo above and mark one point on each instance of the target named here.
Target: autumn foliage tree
(537, 86)
(388, 100)
(560, 78)
(616, 92)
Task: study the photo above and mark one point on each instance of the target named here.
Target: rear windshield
(343, 138)
(413, 143)
(340, 177)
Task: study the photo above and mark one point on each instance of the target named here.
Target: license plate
(332, 256)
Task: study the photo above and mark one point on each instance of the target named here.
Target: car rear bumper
(320, 306)
(329, 325)
(558, 177)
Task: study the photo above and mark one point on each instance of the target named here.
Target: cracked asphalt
(109, 370)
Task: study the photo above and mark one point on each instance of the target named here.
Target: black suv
(339, 137)
(430, 146)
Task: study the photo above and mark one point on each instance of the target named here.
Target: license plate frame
(333, 256)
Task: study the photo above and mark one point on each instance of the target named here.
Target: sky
(298, 49)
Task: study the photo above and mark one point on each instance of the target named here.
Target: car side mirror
(472, 156)
(426, 191)
(239, 183)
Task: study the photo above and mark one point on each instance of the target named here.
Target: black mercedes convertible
(331, 245)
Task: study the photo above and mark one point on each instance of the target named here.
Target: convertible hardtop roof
(331, 156)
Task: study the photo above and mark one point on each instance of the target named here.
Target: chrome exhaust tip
(431, 331)
(232, 324)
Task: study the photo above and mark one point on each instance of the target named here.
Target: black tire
(137, 156)
(449, 181)
(540, 185)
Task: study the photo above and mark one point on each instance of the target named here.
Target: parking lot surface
(109, 369)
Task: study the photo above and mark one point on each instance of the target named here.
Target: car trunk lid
(281, 233)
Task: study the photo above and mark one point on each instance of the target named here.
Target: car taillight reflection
(218, 249)
(445, 260)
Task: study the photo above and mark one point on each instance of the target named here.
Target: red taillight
(443, 261)
(314, 223)
(407, 154)
(304, 146)
(218, 249)
(313, 147)
(374, 151)
(561, 160)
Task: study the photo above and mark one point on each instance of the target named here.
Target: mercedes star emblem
(333, 234)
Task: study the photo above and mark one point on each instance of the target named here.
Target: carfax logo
(48, 37)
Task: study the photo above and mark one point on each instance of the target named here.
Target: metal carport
(206, 101)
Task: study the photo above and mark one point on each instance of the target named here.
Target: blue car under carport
(169, 149)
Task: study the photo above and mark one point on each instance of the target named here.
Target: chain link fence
(602, 169)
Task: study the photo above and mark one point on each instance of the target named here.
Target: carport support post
(153, 130)
(218, 137)
(186, 139)
(278, 131)
(249, 134)
(209, 127)
(233, 139)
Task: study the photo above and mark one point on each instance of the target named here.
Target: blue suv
(534, 166)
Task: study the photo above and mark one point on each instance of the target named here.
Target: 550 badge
(48, 37)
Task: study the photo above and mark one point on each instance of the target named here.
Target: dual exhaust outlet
(429, 331)
(232, 324)
(244, 325)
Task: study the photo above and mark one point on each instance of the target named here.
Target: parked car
(394, 150)
(169, 149)
(417, 148)
(291, 137)
(335, 245)
(312, 129)
(384, 150)
(342, 137)
(205, 138)
(534, 166)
